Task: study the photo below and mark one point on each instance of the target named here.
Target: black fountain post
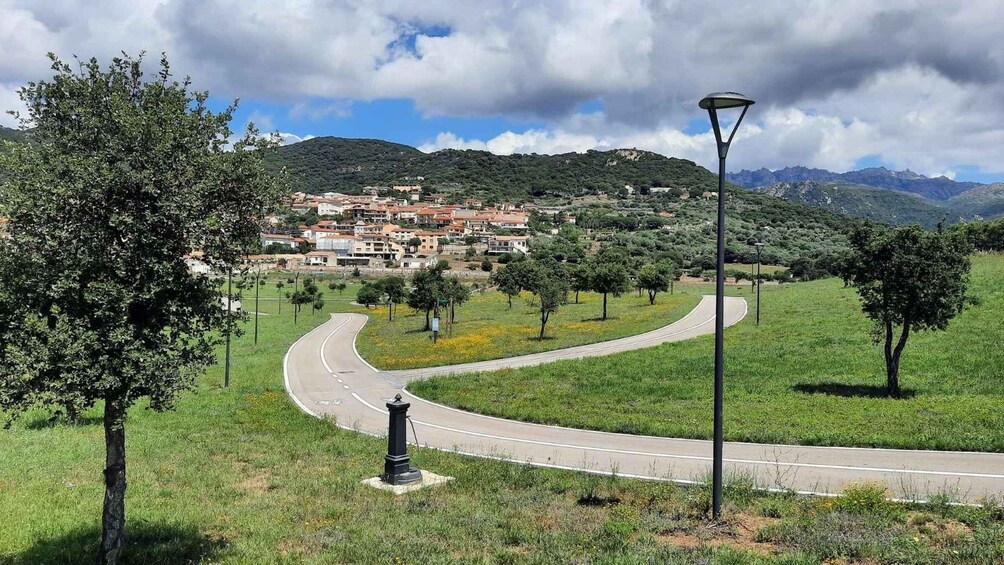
(397, 469)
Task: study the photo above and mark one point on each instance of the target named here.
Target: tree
(654, 279)
(278, 289)
(427, 289)
(548, 281)
(607, 276)
(456, 293)
(128, 174)
(394, 292)
(486, 266)
(414, 243)
(509, 280)
(318, 303)
(579, 278)
(909, 280)
(369, 295)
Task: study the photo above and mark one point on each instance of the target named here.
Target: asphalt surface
(326, 377)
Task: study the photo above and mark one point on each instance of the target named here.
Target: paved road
(326, 377)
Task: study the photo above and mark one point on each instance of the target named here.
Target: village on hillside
(390, 227)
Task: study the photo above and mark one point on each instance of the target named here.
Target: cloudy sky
(839, 85)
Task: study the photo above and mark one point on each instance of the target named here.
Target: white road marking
(693, 457)
(325, 343)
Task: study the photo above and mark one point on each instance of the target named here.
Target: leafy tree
(318, 303)
(278, 289)
(394, 292)
(654, 279)
(456, 292)
(369, 294)
(608, 276)
(486, 266)
(579, 278)
(128, 174)
(414, 243)
(909, 280)
(509, 280)
(426, 289)
(549, 283)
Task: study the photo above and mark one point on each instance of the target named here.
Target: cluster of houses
(374, 230)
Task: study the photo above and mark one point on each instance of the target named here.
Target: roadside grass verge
(240, 475)
(809, 374)
(486, 328)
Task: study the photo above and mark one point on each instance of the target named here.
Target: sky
(838, 85)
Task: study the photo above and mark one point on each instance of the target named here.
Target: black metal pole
(716, 470)
(758, 283)
(710, 104)
(230, 311)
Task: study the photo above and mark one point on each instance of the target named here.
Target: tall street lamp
(759, 247)
(230, 317)
(712, 103)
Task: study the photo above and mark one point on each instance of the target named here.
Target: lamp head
(723, 100)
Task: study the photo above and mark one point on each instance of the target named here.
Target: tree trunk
(113, 513)
(390, 311)
(453, 313)
(892, 356)
(543, 322)
(651, 297)
(426, 320)
(576, 296)
(510, 301)
(604, 306)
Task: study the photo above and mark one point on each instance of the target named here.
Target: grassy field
(240, 475)
(487, 329)
(809, 374)
(745, 267)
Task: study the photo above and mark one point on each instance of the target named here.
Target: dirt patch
(739, 535)
(256, 484)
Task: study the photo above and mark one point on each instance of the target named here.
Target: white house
(508, 244)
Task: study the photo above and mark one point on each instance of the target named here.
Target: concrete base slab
(429, 479)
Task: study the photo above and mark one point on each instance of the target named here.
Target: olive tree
(549, 282)
(394, 292)
(609, 276)
(127, 174)
(654, 279)
(909, 280)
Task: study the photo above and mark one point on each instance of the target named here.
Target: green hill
(878, 204)
(8, 134)
(337, 164)
(678, 218)
(985, 201)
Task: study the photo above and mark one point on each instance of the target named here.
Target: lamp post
(759, 247)
(712, 103)
(230, 313)
(257, 284)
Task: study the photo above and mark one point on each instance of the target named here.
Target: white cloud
(918, 82)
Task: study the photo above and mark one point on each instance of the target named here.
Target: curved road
(326, 377)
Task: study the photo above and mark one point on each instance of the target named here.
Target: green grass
(487, 329)
(809, 374)
(240, 475)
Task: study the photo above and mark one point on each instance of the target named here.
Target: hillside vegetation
(330, 163)
(877, 204)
